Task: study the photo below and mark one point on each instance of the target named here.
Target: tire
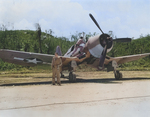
(72, 77)
(118, 75)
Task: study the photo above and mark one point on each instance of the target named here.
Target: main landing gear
(72, 77)
(117, 74)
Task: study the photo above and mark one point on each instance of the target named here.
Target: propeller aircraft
(93, 53)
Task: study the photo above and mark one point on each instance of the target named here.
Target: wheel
(72, 77)
(118, 75)
(62, 76)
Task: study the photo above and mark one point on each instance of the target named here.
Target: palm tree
(38, 29)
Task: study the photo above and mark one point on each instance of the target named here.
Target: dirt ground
(94, 94)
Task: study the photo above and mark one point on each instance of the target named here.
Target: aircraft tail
(58, 51)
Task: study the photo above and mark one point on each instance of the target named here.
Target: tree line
(34, 41)
(45, 42)
(136, 46)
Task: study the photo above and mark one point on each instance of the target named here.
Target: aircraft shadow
(80, 80)
(99, 80)
(109, 80)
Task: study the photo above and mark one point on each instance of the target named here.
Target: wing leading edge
(129, 58)
(32, 59)
(29, 58)
(25, 58)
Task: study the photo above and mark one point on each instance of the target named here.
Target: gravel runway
(98, 97)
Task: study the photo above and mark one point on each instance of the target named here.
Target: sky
(126, 18)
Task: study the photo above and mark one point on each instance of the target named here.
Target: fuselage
(93, 45)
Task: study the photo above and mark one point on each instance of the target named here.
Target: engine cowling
(96, 45)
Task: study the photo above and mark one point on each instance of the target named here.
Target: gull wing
(124, 59)
(25, 58)
(31, 59)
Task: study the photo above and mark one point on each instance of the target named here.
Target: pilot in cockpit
(78, 51)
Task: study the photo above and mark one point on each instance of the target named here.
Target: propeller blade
(102, 57)
(122, 40)
(95, 22)
(106, 42)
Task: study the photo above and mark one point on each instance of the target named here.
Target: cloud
(61, 15)
(24, 25)
(125, 18)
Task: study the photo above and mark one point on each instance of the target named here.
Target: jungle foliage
(46, 42)
(33, 41)
(136, 46)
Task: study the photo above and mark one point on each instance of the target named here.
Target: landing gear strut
(117, 74)
(62, 75)
(72, 77)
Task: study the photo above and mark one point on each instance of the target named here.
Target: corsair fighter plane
(93, 53)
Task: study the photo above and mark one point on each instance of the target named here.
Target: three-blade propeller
(106, 42)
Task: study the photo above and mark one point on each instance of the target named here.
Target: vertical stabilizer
(58, 51)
